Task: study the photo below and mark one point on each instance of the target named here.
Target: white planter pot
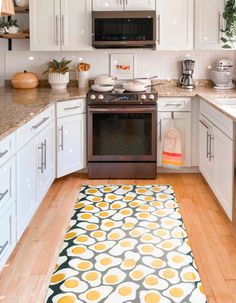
(13, 29)
(58, 81)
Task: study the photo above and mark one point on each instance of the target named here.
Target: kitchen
(89, 177)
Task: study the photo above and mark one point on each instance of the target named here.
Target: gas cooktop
(142, 98)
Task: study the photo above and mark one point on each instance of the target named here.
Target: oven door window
(124, 29)
(122, 134)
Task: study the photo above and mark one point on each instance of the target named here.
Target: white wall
(165, 64)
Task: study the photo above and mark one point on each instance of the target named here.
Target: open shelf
(21, 10)
(15, 36)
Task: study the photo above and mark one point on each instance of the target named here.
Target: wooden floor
(26, 276)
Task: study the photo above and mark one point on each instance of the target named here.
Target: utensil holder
(83, 79)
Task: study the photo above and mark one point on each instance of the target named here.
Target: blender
(186, 80)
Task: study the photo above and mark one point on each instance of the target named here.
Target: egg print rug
(126, 244)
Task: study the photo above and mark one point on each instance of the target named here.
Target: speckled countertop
(19, 106)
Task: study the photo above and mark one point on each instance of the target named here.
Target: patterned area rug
(126, 244)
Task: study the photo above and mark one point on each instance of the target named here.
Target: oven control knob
(143, 97)
(100, 97)
(92, 97)
(151, 97)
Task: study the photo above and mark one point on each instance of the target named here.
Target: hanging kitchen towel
(172, 151)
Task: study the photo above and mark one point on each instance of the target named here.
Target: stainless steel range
(122, 131)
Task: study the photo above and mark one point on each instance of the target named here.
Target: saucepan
(146, 81)
(102, 88)
(135, 86)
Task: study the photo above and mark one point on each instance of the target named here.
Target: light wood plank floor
(26, 276)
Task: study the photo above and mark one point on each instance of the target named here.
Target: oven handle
(130, 109)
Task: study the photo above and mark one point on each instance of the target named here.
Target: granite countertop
(19, 106)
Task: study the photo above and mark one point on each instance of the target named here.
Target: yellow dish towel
(172, 150)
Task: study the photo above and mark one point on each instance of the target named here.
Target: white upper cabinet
(118, 5)
(76, 20)
(208, 23)
(139, 5)
(44, 25)
(174, 24)
(60, 25)
(108, 5)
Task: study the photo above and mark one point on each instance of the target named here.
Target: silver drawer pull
(40, 123)
(61, 131)
(40, 148)
(71, 108)
(45, 154)
(3, 247)
(2, 195)
(3, 153)
(173, 104)
(204, 124)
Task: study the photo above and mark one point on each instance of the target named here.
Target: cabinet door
(71, 144)
(108, 5)
(26, 160)
(46, 161)
(209, 22)
(182, 122)
(174, 24)
(7, 183)
(44, 25)
(140, 4)
(221, 145)
(205, 162)
(76, 23)
(8, 231)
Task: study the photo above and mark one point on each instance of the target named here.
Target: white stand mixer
(222, 76)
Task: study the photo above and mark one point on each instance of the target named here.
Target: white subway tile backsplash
(165, 64)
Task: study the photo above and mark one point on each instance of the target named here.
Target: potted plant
(3, 25)
(58, 73)
(229, 31)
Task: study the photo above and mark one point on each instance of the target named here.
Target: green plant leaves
(229, 31)
(61, 67)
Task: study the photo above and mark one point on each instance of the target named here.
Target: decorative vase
(22, 3)
(58, 80)
(83, 79)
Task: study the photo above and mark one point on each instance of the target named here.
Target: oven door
(124, 29)
(122, 134)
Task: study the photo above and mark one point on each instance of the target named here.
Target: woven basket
(7, 8)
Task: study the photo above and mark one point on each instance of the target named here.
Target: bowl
(102, 88)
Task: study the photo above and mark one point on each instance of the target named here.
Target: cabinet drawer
(72, 107)
(174, 104)
(7, 148)
(7, 184)
(8, 232)
(25, 133)
(220, 120)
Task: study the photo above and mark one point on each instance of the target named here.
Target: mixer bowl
(221, 78)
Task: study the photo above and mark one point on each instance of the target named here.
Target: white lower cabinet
(71, 144)
(8, 231)
(7, 209)
(217, 160)
(26, 161)
(175, 112)
(46, 160)
(35, 169)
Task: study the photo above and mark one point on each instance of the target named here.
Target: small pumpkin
(25, 80)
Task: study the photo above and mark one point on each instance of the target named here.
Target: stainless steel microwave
(124, 29)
